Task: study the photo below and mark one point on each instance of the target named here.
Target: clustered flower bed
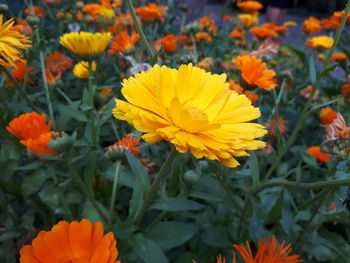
(166, 141)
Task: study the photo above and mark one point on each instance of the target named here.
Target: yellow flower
(106, 13)
(193, 109)
(81, 70)
(10, 43)
(248, 20)
(85, 44)
(290, 23)
(321, 42)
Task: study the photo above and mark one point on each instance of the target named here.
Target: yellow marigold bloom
(192, 109)
(81, 70)
(321, 42)
(85, 44)
(248, 20)
(106, 13)
(10, 43)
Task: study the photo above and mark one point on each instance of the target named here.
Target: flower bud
(3, 8)
(79, 4)
(191, 177)
(60, 143)
(114, 153)
(33, 20)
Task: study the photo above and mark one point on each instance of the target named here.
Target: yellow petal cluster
(10, 43)
(81, 70)
(193, 109)
(85, 44)
(320, 42)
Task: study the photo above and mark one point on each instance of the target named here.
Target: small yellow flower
(86, 45)
(320, 42)
(81, 70)
(194, 110)
(10, 43)
(106, 13)
(290, 23)
(248, 20)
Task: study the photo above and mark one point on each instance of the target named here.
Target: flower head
(268, 252)
(86, 45)
(129, 142)
(306, 93)
(315, 151)
(320, 42)
(277, 124)
(169, 43)
(123, 42)
(311, 25)
(11, 41)
(205, 21)
(262, 32)
(37, 11)
(29, 126)
(19, 72)
(249, 6)
(40, 145)
(72, 242)
(236, 34)
(248, 20)
(81, 70)
(58, 62)
(51, 77)
(327, 115)
(151, 12)
(337, 129)
(202, 36)
(192, 109)
(345, 89)
(254, 73)
(330, 24)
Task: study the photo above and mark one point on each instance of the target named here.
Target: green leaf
(312, 70)
(254, 168)
(172, 234)
(32, 183)
(276, 210)
(147, 249)
(90, 212)
(139, 171)
(216, 236)
(327, 70)
(177, 204)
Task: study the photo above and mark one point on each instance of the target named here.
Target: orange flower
(92, 9)
(236, 34)
(337, 129)
(282, 30)
(249, 6)
(202, 36)
(262, 33)
(345, 89)
(106, 92)
(251, 96)
(235, 87)
(277, 124)
(59, 14)
(227, 18)
(58, 62)
(327, 115)
(268, 251)
(169, 43)
(315, 151)
(331, 23)
(339, 15)
(205, 21)
(22, 27)
(129, 142)
(206, 63)
(19, 72)
(311, 25)
(306, 93)
(72, 242)
(29, 126)
(37, 11)
(40, 145)
(338, 57)
(123, 42)
(151, 12)
(254, 73)
(183, 39)
(50, 77)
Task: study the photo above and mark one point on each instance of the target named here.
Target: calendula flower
(337, 129)
(29, 126)
(327, 115)
(311, 25)
(192, 109)
(106, 92)
(151, 12)
(11, 41)
(268, 252)
(320, 43)
(262, 32)
(315, 151)
(205, 21)
(123, 42)
(106, 13)
(248, 20)
(169, 43)
(22, 27)
(72, 242)
(92, 9)
(281, 30)
(290, 23)
(86, 45)
(235, 86)
(202, 36)
(37, 11)
(249, 6)
(339, 15)
(227, 18)
(306, 93)
(81, 70)
(346, 90)
(338, 57)
(206, 63)
(19, 73)
(330, 24)
(251, 96)
(51, 77)
(129, 142)
(58, 62)
(40, 145)
(254, 73)
(277, 124)
(236, 34)
(183, 39)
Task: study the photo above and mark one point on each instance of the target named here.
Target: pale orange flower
(277, 124)
(268, 251)
(262, 32)
(40, 145)
(337, 129)
(315, 151)
(206, 63)
(249, 6)
(306, 93)
(327, 115)
(236, 34)
(202, 36)
(169, 43)
(123, 42)
(19, 72)
(58, 62)
(151, 12)
(72, 242)
(311, 25)
(254, 73)
(37, 11)
(29, 126)
(228, 66)
(346, 90)
(129, 142)
(265, 48)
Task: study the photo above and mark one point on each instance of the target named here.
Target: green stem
(315, 87)
(114, 192)
(156, 185)
(304, 186)
(19, 88)
(64, 95)
(139, 30)
(90, 100)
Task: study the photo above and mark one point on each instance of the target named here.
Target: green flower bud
(33, 20)
(191, 177)
(114, 153)
(60, 143)
(3, 8)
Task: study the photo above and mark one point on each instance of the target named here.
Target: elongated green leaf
(177, 204)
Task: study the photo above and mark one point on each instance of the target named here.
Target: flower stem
(18, 87)
(315, 87)
(156, 185)
(139, 30)
(90, 100)
(114, 191)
